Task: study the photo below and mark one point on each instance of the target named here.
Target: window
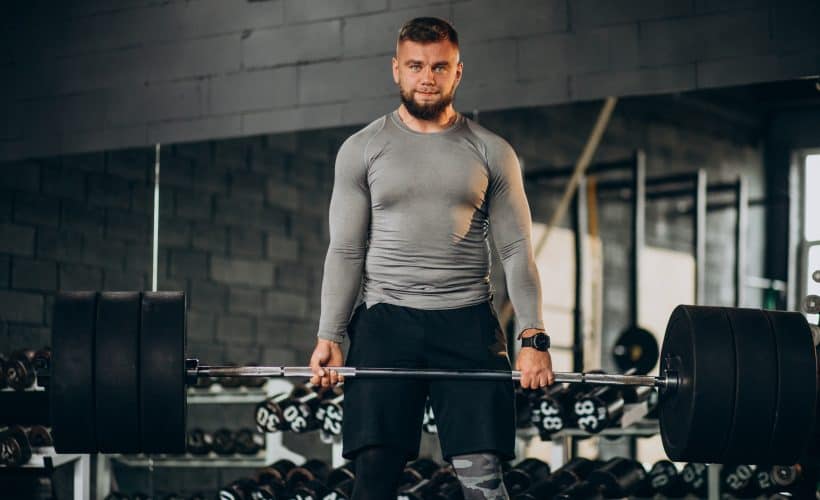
(812, 196)
(811, 218)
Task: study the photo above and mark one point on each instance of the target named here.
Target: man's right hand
(327, 353)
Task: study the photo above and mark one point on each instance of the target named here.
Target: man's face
(427, 75)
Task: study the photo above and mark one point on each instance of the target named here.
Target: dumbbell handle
(195, 370)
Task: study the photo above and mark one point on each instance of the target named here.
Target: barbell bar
(735, 385)
(194, 370)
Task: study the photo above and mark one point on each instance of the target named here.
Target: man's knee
(480, 476)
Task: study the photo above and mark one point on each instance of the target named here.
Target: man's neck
(442, 122)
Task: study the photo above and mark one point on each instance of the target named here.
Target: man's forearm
(340, 286)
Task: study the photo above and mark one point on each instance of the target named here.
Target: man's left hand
(535, 366)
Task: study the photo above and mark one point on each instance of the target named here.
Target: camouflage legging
(480, 476)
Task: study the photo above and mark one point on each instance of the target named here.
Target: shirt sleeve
(511, 228)
(349, 223)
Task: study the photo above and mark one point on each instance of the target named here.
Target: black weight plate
(162, 372)
(756, 388)
(795, 411)
(695, 420)
(72, 372)
(117, 376)
(636, 348)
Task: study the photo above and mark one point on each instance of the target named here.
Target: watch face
(540, 341)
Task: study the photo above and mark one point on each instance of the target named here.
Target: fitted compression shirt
(409, 219)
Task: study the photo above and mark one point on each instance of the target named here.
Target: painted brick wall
(126, 74)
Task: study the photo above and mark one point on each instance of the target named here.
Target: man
(415, 193)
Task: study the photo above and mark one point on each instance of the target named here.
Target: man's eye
(415, 67)
(439, 69)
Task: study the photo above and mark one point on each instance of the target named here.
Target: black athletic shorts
(471, 415)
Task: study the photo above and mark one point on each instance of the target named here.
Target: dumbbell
(15, 449)
(450, 489)
(241, 489)
(203, 382)
(228, 382)
(339, 483)
(554, 411)
(330, 412)
(301, 413)
(736, 480)
(276, 472)
(312, 470)
(664, 479)
(795, 480)
(342, 491)
(199, 442)
(549, 413)
(272, 478)
(308, 490)
(39, 437)
(594, 411)
(526, 473)
(268, 414)
(763, 481)
(556, 403)
(524, 401)
(602, 407)
(20, 373)
(569, 474)
(224, 442)
(617, 477)
(416, 471)
(428, 423)
(341, 474)
(427, 488)
(786, 476)
(695, 480)
(248, 442)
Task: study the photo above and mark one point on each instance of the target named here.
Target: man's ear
(459, 71)
(395, 70)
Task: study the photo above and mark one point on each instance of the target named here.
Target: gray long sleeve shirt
(409, 220)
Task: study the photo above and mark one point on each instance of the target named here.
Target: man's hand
(326, 353)
(535, 366)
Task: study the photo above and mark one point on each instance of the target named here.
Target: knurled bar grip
(347, 371)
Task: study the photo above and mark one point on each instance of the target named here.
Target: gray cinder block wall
(126, 74)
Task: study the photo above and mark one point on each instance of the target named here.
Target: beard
(427, 112)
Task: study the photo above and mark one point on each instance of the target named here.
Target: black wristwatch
(540, 341)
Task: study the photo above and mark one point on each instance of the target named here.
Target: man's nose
(428, 75)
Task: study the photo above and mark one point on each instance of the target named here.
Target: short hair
(428, 30)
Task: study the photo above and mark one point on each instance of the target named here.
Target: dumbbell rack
(633, 424)
(42, 458)
(274, 448)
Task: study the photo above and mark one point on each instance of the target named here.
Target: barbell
(735, 385)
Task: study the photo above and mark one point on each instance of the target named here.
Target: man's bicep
(510, 218)
(349, 215)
